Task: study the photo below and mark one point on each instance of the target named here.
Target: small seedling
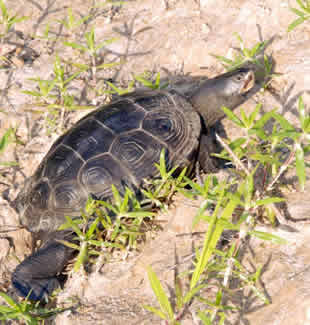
(71, 22)
(154, 85)
(303, 14)
(245, 55)
(8, 21)
(8, 137)
(104, 225)
(159, 191)
(92, 50)
(28, 312)
(55, 95)
(269, 155)
(117, 90)
(254, 55)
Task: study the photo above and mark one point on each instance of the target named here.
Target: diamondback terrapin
(116, 144)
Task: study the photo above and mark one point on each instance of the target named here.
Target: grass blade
(160, 294)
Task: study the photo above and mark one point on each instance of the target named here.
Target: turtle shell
(116, 144)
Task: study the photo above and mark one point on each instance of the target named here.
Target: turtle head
(31, 206)
(228, 89)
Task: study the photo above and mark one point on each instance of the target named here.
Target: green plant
(159, 190)
(303, 14)
(118, 90)
(237, 205)
(213, 266)
(71, 22)
(86, 239)
(145, 79)
(146, 82)
(166, 311)
(55, 95)
(104, 226)
(8, 137)
(271, 155)
(245, 55)
(110, 2)
(91, 48)
(28, 312)
(254, 55)
(8, 21)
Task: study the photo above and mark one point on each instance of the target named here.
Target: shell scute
(121, 117)
(138, 151)
(62, 165)
(99, 173)
(89, 139)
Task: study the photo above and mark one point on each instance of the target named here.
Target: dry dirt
(177, 39)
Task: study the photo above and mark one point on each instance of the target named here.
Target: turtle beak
(249, 81)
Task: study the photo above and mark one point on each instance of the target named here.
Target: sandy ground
(177, 39)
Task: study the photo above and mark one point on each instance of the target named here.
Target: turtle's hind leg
(37, 275)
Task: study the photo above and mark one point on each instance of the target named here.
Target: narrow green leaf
(283, 121)
(301, 5)
(264, 119)
(206, 320)
(298, 12)
(162, 163)
(269, 200)
(233, 117)
(5, 140)
(71, 223)
(222, 58)
(140, 214)
(69, 244)
(9, 300)
(178, 293)
(3, 9)
(106, 43)
(230, 208)
(155, 311)
(266, 236)
(108, 65)
(116, 196)
(212, 236)
(5, 309)
(295, 23)
(160, 294)
(248, 189)
(247, 53)
(244, 118)
(188, 297)
(253, 115)
(307, 149)
(93, 227)
(81, 257)
(300, 166)
(9, 163)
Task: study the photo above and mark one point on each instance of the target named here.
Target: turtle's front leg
(39, 272)
(208, 146)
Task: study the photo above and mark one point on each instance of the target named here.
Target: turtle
(119, 144)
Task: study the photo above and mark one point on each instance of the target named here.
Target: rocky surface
(177, 39)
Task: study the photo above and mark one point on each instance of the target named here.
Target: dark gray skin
(116, 144)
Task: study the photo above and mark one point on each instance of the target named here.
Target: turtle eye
(239, 77)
